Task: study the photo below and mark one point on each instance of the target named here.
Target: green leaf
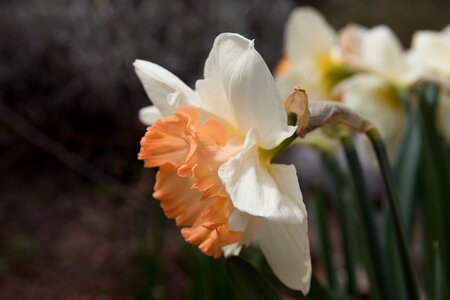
(247, 282)
(344, 209)
(208, 278)
(368, 217)
(436, 174)
(324, 239)
(318, 292)
(406, 168)
(406, 174)
(394, 212)
(440, 289)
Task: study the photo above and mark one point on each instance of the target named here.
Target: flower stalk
(345, 218)
(435, 166)
(324, 238)
(321, 113)
(380, 151)
(368, 217)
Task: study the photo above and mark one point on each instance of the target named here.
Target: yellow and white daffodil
(378, 51)
(377, 100)
(312, 62)
(385, 70)
(313, 59)
(432, 51)
(212, 146)
(363, 68)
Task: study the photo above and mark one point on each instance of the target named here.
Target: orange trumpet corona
(188, 155)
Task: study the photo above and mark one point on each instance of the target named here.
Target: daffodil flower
(375, 92)
(378, 100)
(363, 68)
(212, 146)
(378, 51)
(313, 58)
(432, 51)
(312, 62)
(319, 58)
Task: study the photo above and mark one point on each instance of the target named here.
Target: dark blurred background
(76, 216)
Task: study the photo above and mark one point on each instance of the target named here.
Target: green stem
(405, 174)
(380, 151)
(345, 218)
(437, 273)
(393, 260)
(436, 174)
(324, 239)
(407, 167)
(367, 217)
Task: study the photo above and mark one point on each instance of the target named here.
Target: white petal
(253, 98)
(433, 49)
(373, 97)
(446, 32)
(243, 222)
(286, 248)
(166, 91)
(417, 68)
(383, 53)
(305, 76)
(149, 115)
(233, 249)
(214, 100)
(238, 220)
(269, 191)
(307, 35)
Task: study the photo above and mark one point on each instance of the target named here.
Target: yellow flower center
(390, 95)
(332, 71)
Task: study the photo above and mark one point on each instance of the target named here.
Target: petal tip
(138, 63)
(251, 44)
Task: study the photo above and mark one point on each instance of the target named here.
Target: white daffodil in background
(432, 51)
(313, 58)
(312, 62)
(376, 99)
(378, 51)
(364, 68)
(211, 146)
(386, 71)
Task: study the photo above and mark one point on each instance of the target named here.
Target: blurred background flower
(75, 211)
